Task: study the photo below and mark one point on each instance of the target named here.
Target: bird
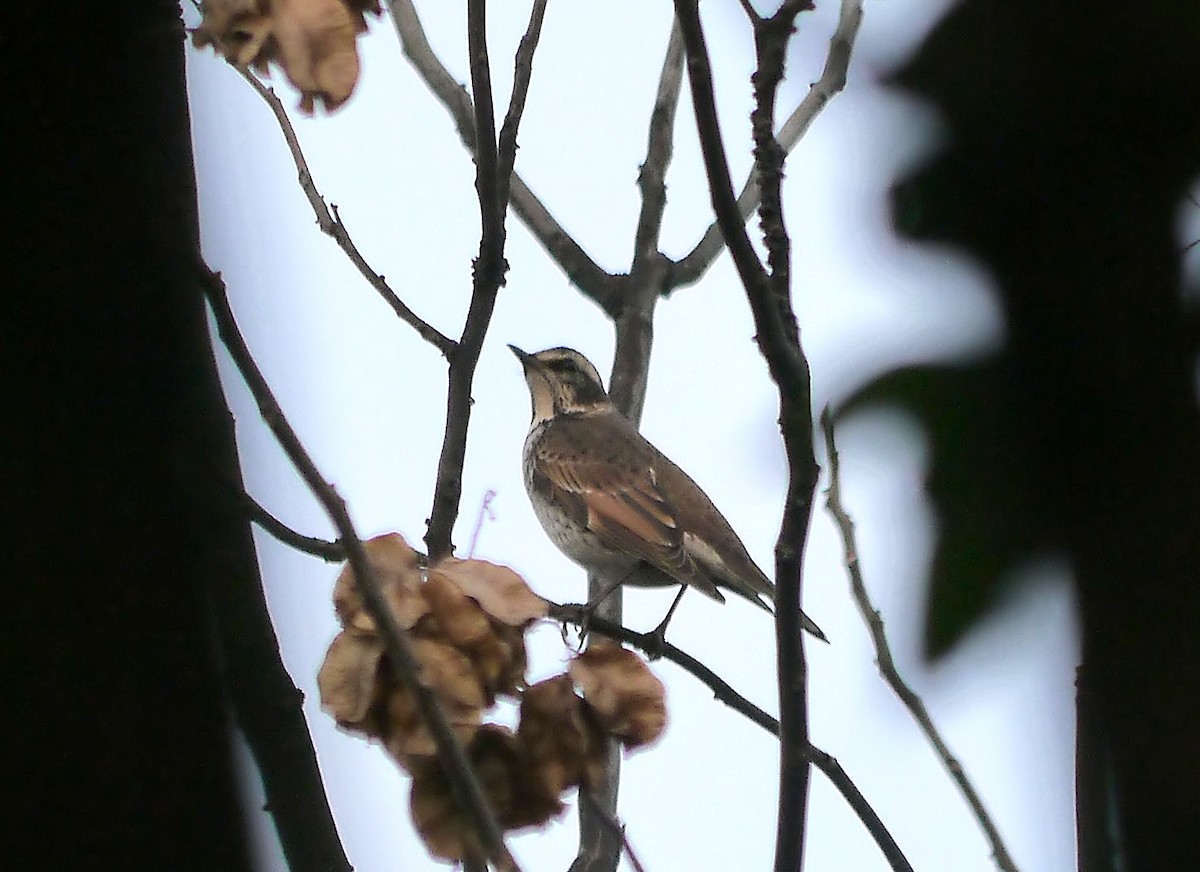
(618, 506)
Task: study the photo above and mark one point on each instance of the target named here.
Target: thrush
(614, 503)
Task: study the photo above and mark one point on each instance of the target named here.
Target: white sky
(367, 396)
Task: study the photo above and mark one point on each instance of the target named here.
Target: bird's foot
(654, 643)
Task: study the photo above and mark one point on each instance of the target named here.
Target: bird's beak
(527, 360)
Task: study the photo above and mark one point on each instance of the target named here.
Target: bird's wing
(610, 485)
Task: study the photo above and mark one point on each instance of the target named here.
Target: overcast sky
(367, 397)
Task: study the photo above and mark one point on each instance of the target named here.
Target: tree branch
(617, 829)
(654, 647)
(262, 697)
(467, 792)
(837, 776)
(659, 148)
(331, 224)
(330, 552)
(768, 294)
(494, 168)
(579, 267)
(522, 72)
(887, 664)
(689, 269)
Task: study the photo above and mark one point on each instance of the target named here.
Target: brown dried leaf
(436, 817)
(398, 570)
(405, 735)
(626, 696)
(450, 675)
(499, 590)
(360, 7)
(566, 746)
(348, 678)
(313, 40)
(238, 30)
(317, 49)
(503, 770)
(497, 649)
(458, 618)
(502, 664)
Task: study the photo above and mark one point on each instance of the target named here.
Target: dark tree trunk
(110, 409)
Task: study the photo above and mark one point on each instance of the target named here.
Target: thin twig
(330, 552)
(690, 268)
(506, 145)
(485, 511)
(617, 829)
(492, 177)
(654, 647)
(465, 787)
(887, 664)
(331, 224)
(837, 776)
(579, 267)
(659, 148)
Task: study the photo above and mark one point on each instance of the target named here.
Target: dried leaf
(348, 678)
(317, 49)
(450, 675)
(238, 30)
(313, 40)
(499, 590)
(497, 649)
(566, 746)
(458, 618)
(398, 570)
(501, 664)
(502, 767)
(626, 696)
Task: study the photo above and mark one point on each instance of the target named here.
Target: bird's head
(561, 381)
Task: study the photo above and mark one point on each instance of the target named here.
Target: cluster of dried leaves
(466, 620)
(313, 40)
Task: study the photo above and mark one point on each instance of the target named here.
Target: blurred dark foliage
(1073, 140)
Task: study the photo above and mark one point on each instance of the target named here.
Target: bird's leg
(589, 608)
(657, 638)
(594, 603)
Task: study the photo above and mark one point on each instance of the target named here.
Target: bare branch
(654, 647)
(849, 790)
(659, 147)
(465, 787)
(492, 173)
(262, 697)
(750, 11)
(768, 294)
(887, 664)
(332, 226)
(689, 269)
(712, 147)
(579, 267)
(330, 552)
(522, 71)
(616, 828)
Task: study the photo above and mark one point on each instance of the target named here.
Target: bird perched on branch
(617, 506)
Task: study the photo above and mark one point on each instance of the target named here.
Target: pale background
(367, 397)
